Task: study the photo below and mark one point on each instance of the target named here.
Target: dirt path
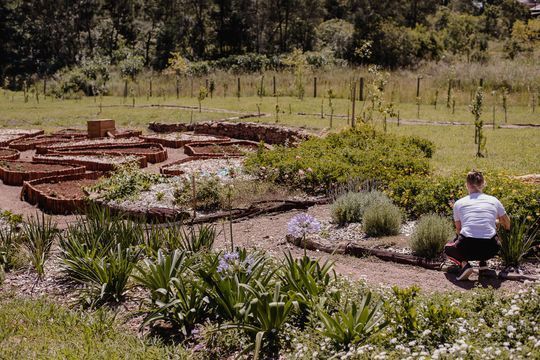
(268, 233)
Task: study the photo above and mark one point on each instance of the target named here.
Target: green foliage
(11, 218)
(355, 324)
(350, 207)
(126, 182)
(9, 248)
(402, 310)
(382, 219)
(435, 194)
(207, 195)
(476, 110)
(176, 236)
(318, 164)
(517, 242)
(39, 233)
(430, 235)
(131, 66)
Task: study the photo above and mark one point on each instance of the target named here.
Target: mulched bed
(90, 144)
(177, 140)
(92, 161)
(228, 149)
(59, 194)
(31, 143)
(9, 154)
(15, 172)
(154, 153)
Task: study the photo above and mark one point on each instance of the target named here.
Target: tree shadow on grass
(491, 280)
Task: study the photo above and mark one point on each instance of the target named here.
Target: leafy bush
(432, 232)
(207, 193)
(435, 194)
(38, 236)
(126, 182)
(382, 219)
(350, 207)
(320, 163)
(354, 324)
(517, 242)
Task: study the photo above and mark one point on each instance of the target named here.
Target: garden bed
(88, 144)
(177, 140)
(78, 133)
(226, 149)
(223, 168)
(9, 154)
(124, 133)
(154, 153)
(93, 162)
(15, 172)
(25, 144)
(59, 194)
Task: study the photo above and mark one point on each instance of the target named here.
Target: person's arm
(505, 221)
(458, 226)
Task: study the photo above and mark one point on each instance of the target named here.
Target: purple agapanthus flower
(302, 225)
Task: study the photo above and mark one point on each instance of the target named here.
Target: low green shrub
(208, 194)
(432, 232)
(126, 182)
(350, 207)
(318, 164)
(382, 219)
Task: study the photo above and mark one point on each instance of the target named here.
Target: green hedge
(363, 153)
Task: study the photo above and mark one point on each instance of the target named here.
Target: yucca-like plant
(39, 233)
(354, 324)
(175, 236)
(306, 278)
(9, 244)
(517, 242)
(265, 316)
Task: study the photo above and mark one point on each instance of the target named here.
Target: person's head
(475, 181)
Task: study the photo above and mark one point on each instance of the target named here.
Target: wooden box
(99, 128)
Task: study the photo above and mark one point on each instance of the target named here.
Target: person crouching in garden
(476, 217)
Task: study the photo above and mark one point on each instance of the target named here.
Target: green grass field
(513, 151)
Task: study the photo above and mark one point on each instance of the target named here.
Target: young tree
(476, 110)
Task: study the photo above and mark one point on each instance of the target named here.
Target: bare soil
(6, 152)
(66, 189)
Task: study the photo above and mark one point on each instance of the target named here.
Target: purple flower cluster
(230, 261)
(302, 225)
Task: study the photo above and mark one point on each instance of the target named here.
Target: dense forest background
(41, 38)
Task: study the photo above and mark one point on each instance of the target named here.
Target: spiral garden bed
(14, 172)
(92, 161)
(59, 194)
(225, 149)
(25, 144)
(89, 145)
(154, 153)
(9, 154)
(177, 140)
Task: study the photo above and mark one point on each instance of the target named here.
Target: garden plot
(9, 154)
(225, 149)
(93, 162)
(180, 139)
(42, 140)
(9, 135)
(59, 194)
(15, 172)
(88, 144)
(154, 153)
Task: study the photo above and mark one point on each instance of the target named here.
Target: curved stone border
(166, 171)
(270, 134)
(88, 164)
(55, 205)
(191, 149)
(153, 157)
(76, 133)
(17, 177)
(44, 149)
(15, 154)
(175, 144)
(124, 133)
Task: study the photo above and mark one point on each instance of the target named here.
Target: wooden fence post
(315, 87)
(238, 87)
(274, 85)
(361, 97)
(353, 98)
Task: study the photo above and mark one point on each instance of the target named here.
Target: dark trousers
(470, 249)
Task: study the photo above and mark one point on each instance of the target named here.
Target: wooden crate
(100, 128)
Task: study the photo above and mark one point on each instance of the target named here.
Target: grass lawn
(39, 329)
(510, 150)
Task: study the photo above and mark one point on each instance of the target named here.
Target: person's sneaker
(465, 272)
(483, 268)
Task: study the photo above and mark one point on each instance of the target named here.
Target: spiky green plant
(517, 242)
(39, 233)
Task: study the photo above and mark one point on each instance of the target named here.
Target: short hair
(476, 180)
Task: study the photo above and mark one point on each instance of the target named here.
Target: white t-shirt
(478, 214)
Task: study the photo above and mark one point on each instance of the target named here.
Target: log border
(18, 177)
